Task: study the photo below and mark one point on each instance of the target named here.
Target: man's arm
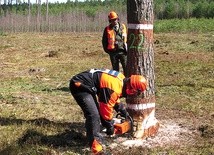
(105, 40)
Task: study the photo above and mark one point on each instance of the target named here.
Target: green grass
(39, 116)
(195, 25)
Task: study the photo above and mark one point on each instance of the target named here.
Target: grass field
(38, 116)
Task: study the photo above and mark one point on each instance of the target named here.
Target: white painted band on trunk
(141, 26)
(140, 106)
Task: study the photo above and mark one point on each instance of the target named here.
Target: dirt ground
(36, 68)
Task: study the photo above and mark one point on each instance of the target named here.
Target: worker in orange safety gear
(114, 42)
(98, 93)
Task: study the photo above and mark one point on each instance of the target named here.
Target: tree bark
(141, 62)
(47, 14)
(29, 14)
(38, 15)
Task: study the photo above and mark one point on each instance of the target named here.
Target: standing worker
(98, 93)
(114, 42)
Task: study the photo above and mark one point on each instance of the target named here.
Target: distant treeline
(92, 16)
(163, 9)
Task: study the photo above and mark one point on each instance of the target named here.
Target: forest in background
(90, 15)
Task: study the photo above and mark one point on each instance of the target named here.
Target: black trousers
(89, 106)
(116, 58)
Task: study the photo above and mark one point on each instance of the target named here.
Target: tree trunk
(47, 14)
(141, 62)
(5, 8)
(29, 15)
(16, 6)
(38, 15)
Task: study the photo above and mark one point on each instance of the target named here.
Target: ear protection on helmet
(138, 82)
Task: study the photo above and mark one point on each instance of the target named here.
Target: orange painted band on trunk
(141, 26)
(141, 106)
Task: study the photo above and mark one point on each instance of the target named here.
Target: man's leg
(88, 105)
(114, 61)
(123, 60)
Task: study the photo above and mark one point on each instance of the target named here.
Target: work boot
(96, 147)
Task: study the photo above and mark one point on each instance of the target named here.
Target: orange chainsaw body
(122, 128)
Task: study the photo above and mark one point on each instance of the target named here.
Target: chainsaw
(123, 125)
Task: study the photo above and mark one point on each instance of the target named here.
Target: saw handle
(123, 113)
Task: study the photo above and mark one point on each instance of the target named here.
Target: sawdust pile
(170, 133)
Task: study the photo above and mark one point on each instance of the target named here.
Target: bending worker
(97, 92)
(114, 42)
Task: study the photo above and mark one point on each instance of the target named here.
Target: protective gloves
(123, 113)
(109, 125)
(110, 131)
(121, 110)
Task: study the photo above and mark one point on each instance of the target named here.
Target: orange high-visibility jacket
(110, 91)
(112, 36)
(109, 37)
(109, 86)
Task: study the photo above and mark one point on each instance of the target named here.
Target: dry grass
(39, 116)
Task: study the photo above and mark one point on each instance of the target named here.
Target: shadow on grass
(72, 138)
(65, 89)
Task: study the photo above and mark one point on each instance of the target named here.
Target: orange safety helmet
(138, 82)
(112, 15)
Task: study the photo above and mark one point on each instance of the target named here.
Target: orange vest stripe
(111, 36)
